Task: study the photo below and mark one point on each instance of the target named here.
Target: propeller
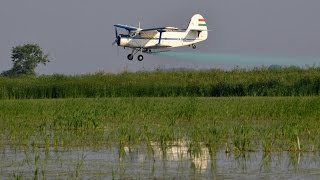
(116, 30)
(117, 40)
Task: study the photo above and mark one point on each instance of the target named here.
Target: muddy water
(145, 163)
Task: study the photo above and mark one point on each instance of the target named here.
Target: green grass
(209, 83)
(241, 124)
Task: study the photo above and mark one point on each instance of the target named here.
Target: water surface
(143, 163)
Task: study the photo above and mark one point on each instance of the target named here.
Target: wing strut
(160, 37)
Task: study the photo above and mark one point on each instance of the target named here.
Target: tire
(140, 58)
(130, 57)
(194, 46)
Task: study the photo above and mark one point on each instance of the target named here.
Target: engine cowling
(122, 41)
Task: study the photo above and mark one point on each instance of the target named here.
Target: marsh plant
(238, 124)
(206, 83)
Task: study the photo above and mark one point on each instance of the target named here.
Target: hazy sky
(78, 33)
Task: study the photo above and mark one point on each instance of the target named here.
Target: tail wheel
(194, 46)
(140, 58)
(130, 57)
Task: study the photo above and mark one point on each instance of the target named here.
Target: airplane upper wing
(148, 34)
(153, 31)
(126, 27)
(162, 29)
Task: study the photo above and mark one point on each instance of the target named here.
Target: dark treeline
(208, 83)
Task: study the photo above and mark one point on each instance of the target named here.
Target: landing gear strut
(134, 52)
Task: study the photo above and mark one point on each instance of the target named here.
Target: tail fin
(198, 23)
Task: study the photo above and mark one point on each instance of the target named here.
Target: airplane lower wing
(149, 48)
(158, 47)
(155, 51)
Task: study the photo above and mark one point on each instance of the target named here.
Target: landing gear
(140, 58)
(130, 57)
(194, 46)
(134, 52)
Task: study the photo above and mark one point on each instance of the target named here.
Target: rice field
(206, 83)
(160, 138)
(233, 124)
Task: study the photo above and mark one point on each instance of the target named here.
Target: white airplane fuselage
(168, 39)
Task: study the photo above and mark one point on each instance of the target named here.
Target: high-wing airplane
(158, 39)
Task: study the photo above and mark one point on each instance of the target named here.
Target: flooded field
(161, 138)
(145, 163)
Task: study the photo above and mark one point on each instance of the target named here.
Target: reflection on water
(174, 161)
(178, 151)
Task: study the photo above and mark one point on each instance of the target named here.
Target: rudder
(198, 23)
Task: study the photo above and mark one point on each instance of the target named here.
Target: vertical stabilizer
(197, 28)
(198, 23)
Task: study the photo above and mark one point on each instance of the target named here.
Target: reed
(207, 83)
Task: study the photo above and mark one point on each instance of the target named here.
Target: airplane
(154, 40)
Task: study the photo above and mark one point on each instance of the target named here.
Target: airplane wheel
(194, 46)
(140, 58)
(130, 57)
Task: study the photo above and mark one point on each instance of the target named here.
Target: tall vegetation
(209, 83)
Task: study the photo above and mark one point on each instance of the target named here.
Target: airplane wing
(126, 27)
(150, 33)
(158, 47)
(153, 31)
(162, 29)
